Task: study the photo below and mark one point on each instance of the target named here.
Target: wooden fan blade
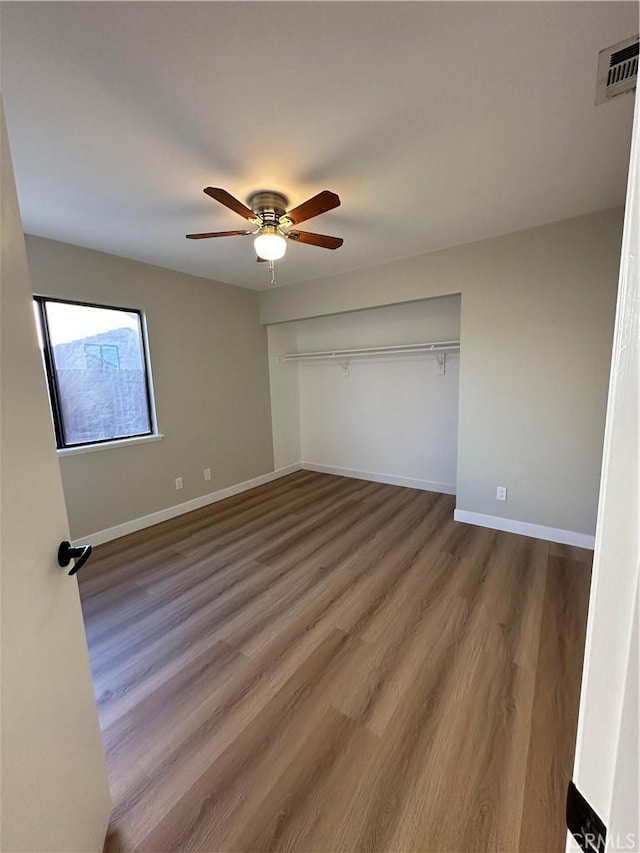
(322, 240)
(215, 234)
(261, 260)
(320, 203)
(229, 201)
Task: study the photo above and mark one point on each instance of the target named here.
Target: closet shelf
(433, 347)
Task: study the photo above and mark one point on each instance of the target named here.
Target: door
(55, 792)
(607, 764)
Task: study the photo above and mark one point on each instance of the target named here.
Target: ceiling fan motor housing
(269, 205)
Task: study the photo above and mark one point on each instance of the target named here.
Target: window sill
(109, 445)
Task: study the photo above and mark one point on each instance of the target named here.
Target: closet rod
(431, 346)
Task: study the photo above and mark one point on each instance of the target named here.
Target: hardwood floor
(327, 664)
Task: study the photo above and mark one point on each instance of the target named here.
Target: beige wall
(209, 361)
(285, 396)
(537, 326)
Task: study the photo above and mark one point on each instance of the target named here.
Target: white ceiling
(436, 123)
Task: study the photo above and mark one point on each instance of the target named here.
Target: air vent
(617, 70)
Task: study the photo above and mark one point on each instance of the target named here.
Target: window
(96, 363)
(102, 356)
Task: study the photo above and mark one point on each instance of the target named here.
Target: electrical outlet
(179, 483)
(207, 474)
(501, 493)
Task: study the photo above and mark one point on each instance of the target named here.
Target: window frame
(52, 381)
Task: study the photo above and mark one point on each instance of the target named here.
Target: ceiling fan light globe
(270, 247)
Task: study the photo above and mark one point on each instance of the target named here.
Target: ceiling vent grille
(617, 69)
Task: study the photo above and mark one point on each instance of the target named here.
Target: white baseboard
(537, 531)
(409, 482)
(180, 509)
(524, 528)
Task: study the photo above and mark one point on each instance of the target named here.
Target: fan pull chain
(272, 270)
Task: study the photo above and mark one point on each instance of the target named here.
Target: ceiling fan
(274, 224)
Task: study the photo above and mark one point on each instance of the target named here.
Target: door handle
(66, 553)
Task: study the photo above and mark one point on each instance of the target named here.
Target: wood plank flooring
(327, 664)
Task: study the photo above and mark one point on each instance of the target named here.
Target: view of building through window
(97, 371)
